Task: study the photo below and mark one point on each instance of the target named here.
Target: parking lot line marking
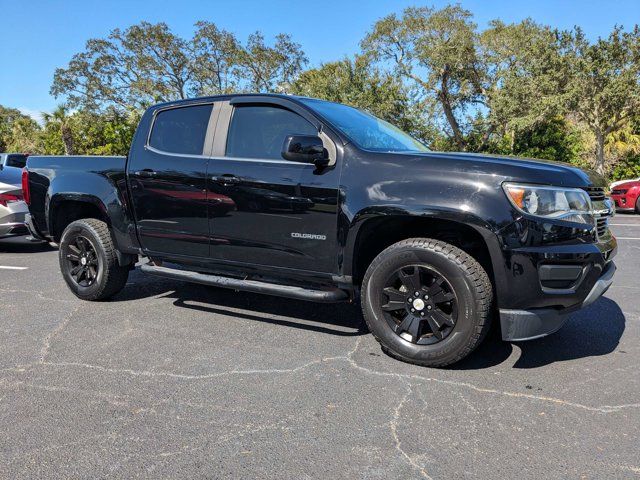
(6, 267)
(627, 238)
(625, 224)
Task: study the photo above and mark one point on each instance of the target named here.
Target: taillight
(6, 198)
(26, 193)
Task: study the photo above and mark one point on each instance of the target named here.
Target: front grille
(618, 192)
(602, 225)
(601, 210)
(596, 194)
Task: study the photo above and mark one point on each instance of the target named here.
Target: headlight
(558, 203)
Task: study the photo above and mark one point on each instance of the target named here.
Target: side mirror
(305, 149)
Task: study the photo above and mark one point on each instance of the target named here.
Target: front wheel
(88, 260)
(427, 302)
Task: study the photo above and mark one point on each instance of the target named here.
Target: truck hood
(510, 168)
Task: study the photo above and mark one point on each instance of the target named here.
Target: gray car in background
(12, 206)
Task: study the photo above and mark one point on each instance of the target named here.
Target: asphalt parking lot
(177, 380)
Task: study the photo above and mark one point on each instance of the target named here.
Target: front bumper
(519, 325)
(624, 203)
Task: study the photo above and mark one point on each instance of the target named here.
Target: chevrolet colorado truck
(318, 201)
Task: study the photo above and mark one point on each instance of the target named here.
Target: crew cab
(319, 201)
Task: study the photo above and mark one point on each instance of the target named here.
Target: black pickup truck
(318, 201)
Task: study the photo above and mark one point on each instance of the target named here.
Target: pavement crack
(393, 425)
(470, 386)
(348, 358)
(44, 351)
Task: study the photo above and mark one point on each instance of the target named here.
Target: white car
(12, 206)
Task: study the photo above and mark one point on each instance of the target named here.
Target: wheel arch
(372, 233)
(63, 209)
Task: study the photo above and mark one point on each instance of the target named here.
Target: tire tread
(474, 271)
(115, 275)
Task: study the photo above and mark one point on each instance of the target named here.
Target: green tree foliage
(88, 133)
(604, 85)
(435, 50)
(18, 132)
(147, 63)
(60, 122)
(359, 84)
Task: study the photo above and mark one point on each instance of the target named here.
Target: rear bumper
(519, 325)
(13, 225)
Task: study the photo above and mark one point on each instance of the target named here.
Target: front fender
(486, 229)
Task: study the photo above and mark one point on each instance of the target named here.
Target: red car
(626, 195)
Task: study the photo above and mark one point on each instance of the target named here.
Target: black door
(168, 183)
(285, 213)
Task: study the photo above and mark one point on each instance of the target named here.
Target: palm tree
(62, 120)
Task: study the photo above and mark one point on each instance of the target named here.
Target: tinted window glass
(259, 131)
(18, 161)
(181, 130)
(366, 130)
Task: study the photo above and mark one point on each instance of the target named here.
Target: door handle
(147, 172)
(226, 179)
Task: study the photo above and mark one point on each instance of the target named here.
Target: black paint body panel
(244, 226)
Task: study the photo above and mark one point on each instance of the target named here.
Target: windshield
(365, 130)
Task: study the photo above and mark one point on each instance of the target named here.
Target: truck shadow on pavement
(591, 332)
(334, 319)
(594, 331)
(20, 245)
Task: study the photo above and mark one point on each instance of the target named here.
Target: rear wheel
(88, 260)
(638, 205)
(427, 302)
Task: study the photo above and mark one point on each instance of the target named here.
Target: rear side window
(181, 130)
(18, 161)
(259, 131)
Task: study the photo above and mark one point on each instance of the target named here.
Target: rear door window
(181, 130)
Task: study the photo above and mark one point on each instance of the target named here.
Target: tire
(103, 276)
(434, 343)
(638, 205)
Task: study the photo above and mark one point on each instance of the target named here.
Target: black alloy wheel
(89, 260)
(82, 260)
(426, 301)
(419, 304)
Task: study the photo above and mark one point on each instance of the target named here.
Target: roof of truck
(229, 96)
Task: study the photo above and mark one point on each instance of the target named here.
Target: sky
(40, 35)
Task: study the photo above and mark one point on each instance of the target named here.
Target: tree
(215, 52)
(605, 88)
(60, 123)
(436, 50)
(25, 136)
(359, 84)
(525, 79)
(141, 65)
(147, 63)
(269, 69)
(18, 132)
